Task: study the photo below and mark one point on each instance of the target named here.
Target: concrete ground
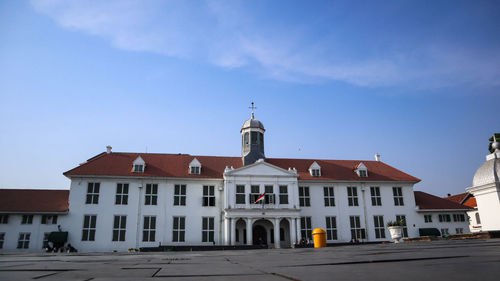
(437, 260)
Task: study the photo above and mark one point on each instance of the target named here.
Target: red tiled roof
(33, 200)
(465, 198)
(426, 201)
(457, 198)
(176, 165)
(471, 202)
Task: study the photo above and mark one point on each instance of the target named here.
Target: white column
(299, 232)
(233, 231)
(277, 233)
(227, 225)
(293, 233)
(249, 231)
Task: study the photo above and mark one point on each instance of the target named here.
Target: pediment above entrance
(261, 168)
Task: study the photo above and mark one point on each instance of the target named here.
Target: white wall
(342, 211)
(488, 204)
(36, 230)
(136, 210)
(451, 225)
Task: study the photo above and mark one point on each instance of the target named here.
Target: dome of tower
(487, 173)
(253, 123)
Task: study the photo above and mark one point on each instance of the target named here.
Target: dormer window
(315, 170)
(195, 167)
(139, 165)
(195, 170)
(138, 168)
(362, 171)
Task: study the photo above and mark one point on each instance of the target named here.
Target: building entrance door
(259, 235)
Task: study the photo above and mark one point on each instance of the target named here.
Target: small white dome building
(486, 189)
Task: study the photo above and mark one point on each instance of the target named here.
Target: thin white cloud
(224, 34)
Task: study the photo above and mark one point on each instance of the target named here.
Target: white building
(444, 215)
(486, 190)
(468, 200)
(27, 217)
(119, 201)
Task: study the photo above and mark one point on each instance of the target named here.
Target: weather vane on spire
(252, 108)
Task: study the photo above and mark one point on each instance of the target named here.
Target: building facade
(119, 201)
(444, 215)
(179, 199)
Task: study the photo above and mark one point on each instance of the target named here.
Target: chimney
(108, 149)
(377, 157)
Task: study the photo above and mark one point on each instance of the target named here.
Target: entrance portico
(262, 228)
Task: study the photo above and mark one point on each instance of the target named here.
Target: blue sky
(416, 81)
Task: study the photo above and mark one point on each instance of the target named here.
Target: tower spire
(252, 107)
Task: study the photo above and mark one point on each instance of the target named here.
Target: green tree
(497, 136)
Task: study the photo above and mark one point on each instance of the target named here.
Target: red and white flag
(260, 197)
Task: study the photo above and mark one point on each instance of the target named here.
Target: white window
(283, 194)
(208, 195)
(329, 196)
(304, 199)
(4, 219)
(207, 231)
(398, 196)
(180, 195)
(378, 222)
(315, 169)
(151, 196)
(428, 218)
(254, 193)
(45, 241)
(458, 217)
(2, 239)
(444, 231)
(375, 193)
(269, 198)
(119, 228)
(306, 228)
(331, 228)
(356, 231)
(352, 196)
(240, 194)
(402, 219)
(138, 166)
(49, 219)
(444, 218)
(89, 227)
(195, 170)
(195, 167)
(179, 229)
(121, 197)
(27, 219)
(361, 170)
(149, 229)
(93, 193)
(24, 240)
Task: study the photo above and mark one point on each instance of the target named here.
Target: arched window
(245, 138)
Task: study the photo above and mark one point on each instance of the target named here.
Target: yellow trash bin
(319, 236)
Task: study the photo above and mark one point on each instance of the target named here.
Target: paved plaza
(438, 260)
